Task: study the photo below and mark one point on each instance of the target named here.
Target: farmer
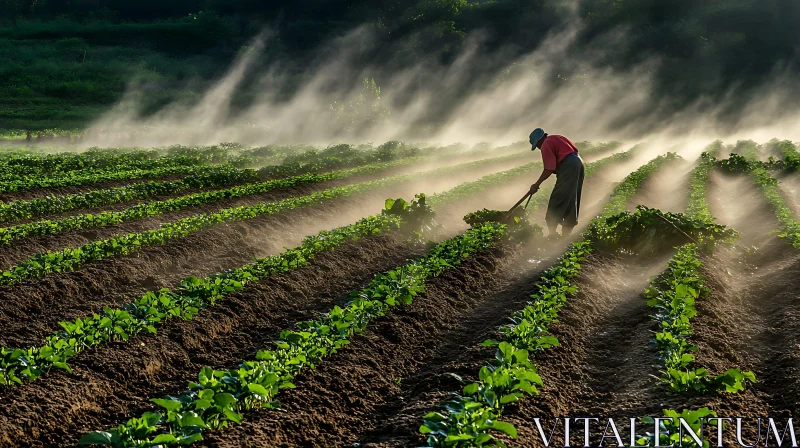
(561, 157)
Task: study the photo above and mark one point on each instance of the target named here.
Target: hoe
(497, 215)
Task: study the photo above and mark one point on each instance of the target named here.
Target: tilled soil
(360, 394)
(425, 165)
(32, 309)
(114, 382)
(25, 249)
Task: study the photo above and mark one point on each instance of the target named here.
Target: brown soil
(432, 164)
(375, 391)
(113, 382)
(23, 250)
(359, 393)
(31, 310)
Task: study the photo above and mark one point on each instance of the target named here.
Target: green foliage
(650, 230)
(469, 419)
(759, 171)
(518, 223)
(673, 295)
(70, 259)
(416, 215)
(790, 157)
(194, 294)
(670, 430)
(219, 397)
(697, 207)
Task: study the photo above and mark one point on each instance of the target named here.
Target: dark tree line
(706, 44)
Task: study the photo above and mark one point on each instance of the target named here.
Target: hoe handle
(527, 196)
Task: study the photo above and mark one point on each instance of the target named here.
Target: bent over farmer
(560, 157)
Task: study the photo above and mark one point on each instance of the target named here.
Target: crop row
(790, 157)
(220, 397)
(70, 259)
(32, 163)
(77, 178)
(153, 308)
(673, 295)
(697, 206)
(140, 166)
(153, 208)
(790, 227)
(40, 207)
(203, 177)
(469, 419)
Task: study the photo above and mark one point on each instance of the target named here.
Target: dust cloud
(478, 97)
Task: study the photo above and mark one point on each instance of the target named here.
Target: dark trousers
(565, 201)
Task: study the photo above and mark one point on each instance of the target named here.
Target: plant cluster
(417, 216)
(649, 230)
(673, 295)
(518, 223)
(467, 419)
(790, 157)
(220, 397)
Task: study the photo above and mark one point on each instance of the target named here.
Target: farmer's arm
(545, 174)
(549, 160)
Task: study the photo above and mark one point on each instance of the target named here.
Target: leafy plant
(673, 295)
(651, 230)
(70, 259)
(220, 397)
(194, 294)
(468, 419)
(672, 434)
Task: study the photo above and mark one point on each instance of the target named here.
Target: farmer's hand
(534, 189)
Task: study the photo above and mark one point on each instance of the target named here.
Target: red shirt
(554, 149)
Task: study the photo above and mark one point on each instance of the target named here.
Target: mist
(478, 96)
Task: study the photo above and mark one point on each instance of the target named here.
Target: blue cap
(536, 135)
